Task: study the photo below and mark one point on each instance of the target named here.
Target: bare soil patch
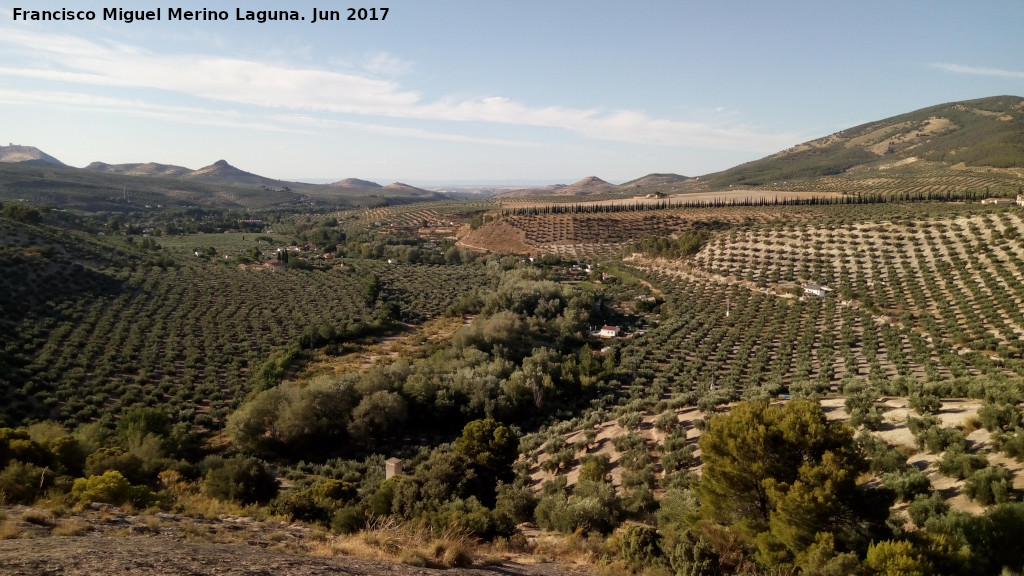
(148, 556)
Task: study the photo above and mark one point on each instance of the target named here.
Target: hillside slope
(28, 155)
(985, 134)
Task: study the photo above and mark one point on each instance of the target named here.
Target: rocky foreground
(109, 542)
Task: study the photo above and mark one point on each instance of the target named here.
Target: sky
(483, 91)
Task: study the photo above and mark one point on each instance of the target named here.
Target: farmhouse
(609, 332)
(816, 290)
(1020, 199)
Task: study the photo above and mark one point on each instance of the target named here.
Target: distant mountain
(411, 193)
(987, 134)
(28, 155)
(654, 180)
(586, 186)
(138, 169)
(220, 172)
(354, 183)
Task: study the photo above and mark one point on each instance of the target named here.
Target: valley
(811, 363)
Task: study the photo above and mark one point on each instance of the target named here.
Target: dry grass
(389, 540)
(575, 548)
(971, 424)
(72, 526)
(38, 517)
(7, 528)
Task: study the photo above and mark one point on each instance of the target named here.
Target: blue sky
(491, 91)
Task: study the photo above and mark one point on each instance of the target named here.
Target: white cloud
(385, 64)
(74, 60)
(978, 70)
(140, 109)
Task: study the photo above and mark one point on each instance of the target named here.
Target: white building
(816, 290)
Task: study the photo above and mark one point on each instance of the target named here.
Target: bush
(907, 485)
(693, 557)
(630, 421)
(593, 507)
(110, 488)
(925, 507)
(667, 422)
(22, 483)
(302, 506)
(348, 520)
(1011, 444)
(107, 459)
(959, 464)
(990, 485)
(937, 439)
(926, 403)
(896, 557)
(999, 417)
(241, 479)
(639, 546)
(516, 501)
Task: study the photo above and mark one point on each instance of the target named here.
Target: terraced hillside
(427, 219)
(587, 235)
(934, 298)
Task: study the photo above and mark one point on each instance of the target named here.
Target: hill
(948, 140)
(590, 185)
(33, 176)
(141, 169)
(27, 155)
(220, 172)
(355, 183)
(654, 180)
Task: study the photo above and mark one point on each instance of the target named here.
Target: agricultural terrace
(999, 183)
(429, 220)
(588, 235)
(932, 298)
(746, 196)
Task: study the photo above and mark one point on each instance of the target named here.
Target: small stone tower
(392, 466)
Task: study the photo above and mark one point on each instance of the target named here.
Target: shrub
(639, 545)
(937, 439)
(241, 479)
(907, 485)
(926, 403)
(692, 557)
(925, 507)
(959, 464)
(999, 417)
(22, 483)
(989, 485)
(593, 507)
(594, 468)
(630, 421)
(348, 520)
(667, 422)
(1011, 444)
(896, 557)
(111, 487)
(107, 459)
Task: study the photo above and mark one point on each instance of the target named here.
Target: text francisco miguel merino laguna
(204, 15)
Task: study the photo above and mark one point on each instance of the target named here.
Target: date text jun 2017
(204, 15)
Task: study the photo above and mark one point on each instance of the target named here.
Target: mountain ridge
(935, 142)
